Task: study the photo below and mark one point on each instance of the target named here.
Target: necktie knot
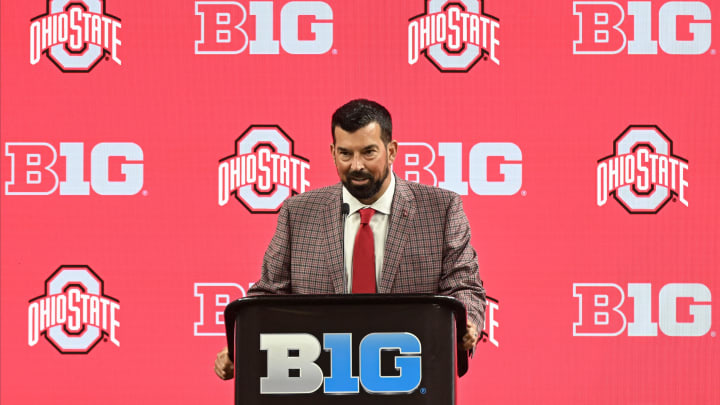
(365, 215)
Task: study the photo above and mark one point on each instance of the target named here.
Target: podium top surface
(353, 299)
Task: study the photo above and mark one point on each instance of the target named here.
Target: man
(420, 237)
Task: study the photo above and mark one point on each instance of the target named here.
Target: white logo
(75, 35)
(491, 324)
(642, 174)
(601, 313)
(494, 168)
(453, 35)
(601, 29)
(264, 170)
(214, 297)
(74, 314)
(221, 29)
(32, 172)
(307, 348)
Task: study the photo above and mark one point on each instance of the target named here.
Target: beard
(365, 191)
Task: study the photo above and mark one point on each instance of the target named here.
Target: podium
(346, 349)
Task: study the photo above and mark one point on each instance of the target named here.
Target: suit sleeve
(275, 278)
(460, 276)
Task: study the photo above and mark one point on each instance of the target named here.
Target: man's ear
(332, 151)
(392, 148)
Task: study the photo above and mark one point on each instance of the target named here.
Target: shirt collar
(382, 205)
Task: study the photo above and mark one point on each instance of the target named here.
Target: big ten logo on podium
(681, 309)
(292, 367)
(230, 27)
(38, 168)
(678, 27)
(488, 168)
(214, 297)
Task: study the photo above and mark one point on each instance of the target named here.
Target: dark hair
(359, 113)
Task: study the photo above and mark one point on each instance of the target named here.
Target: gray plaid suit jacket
(427, 248)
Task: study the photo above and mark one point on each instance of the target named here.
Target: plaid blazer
(427, 248)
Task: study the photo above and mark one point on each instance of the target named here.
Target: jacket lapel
(333, 229)
(401, 215)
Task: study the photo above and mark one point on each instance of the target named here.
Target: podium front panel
(344, 351)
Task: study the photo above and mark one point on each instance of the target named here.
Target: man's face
(363, 161)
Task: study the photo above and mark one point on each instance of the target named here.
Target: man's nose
(357, 163)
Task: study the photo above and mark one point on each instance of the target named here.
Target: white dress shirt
(379, 223)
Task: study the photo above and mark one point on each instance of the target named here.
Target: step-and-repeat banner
(146, 147)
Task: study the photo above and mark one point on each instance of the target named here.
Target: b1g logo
(223, 28)
(682, 27)
(299, 351)
(75, 35)
(214, 297)
(494, 168)
(32, 168)
(642, 174)
(74, 314)
(264, 170)
(453, 35)
(683, 309)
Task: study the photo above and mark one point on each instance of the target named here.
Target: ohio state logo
(642, 174)
(75, 35)
(74, 314)
(264, 170)
(489, 331)
(453, 35)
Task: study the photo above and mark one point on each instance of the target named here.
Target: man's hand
(223, 366)
(470, 338)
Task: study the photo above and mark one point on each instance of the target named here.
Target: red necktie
(364, 256)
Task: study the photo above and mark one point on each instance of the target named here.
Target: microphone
(345, 210)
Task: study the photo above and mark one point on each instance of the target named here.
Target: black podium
(346, 349)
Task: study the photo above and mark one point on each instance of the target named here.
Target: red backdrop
(579, 134)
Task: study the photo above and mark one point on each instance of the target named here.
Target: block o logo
(74, 314)
(643, 174)
(453, 35)
(75, 34)
(264, 170)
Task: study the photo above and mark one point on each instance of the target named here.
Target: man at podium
(372, 232)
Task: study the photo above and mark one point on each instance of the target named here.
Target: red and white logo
(264, 170)
(214, 297)
(74, 314)
(489, 332)
(493, 168)
(115, 168)
(225, 28)
(683, 309)
(75, 35)
(643, 174)
(453, 35)
(679, 27)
